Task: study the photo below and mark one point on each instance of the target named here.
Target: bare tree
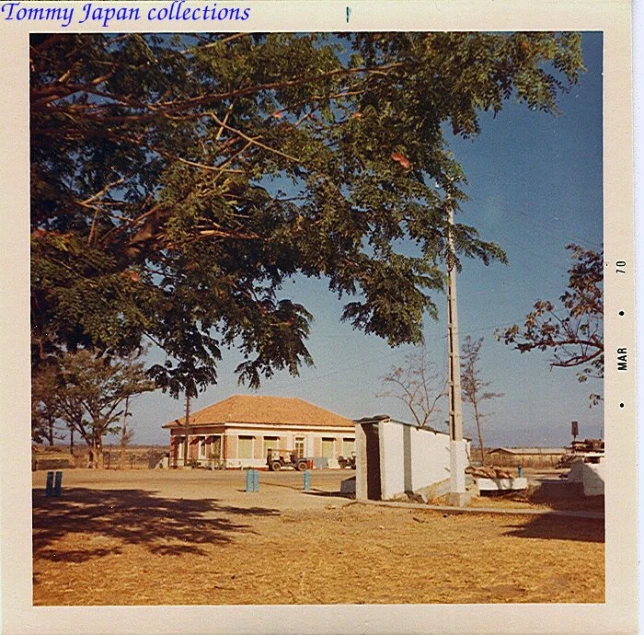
(418, 385)
(473, 386)
(572, 330)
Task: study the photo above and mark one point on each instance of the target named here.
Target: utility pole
(458, 495)
(186, 445)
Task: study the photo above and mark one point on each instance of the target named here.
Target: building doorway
(372, 436)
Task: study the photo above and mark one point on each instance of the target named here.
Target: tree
(418, 386)
(44, 406)
(178, 182)
(89, 391)
(473, 387)
(127, 434)
(573, 331)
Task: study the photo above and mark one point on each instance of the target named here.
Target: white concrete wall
(591, 475)
(287, 442)
(411, 458)
(361, 464)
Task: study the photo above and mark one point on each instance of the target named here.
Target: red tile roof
(264, 410)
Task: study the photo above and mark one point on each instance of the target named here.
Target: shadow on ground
(554, 527)
(165, 526)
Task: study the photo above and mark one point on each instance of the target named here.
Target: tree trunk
(96, 454)
(50, 431)
(123, 436)
(477, 418)
(99, 457)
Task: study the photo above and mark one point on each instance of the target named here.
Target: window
(328, 448)
(348, 447)
(245, 448)
(271, 443)
(215, 448)
(299, 447)
(204, 443)
(179, 444)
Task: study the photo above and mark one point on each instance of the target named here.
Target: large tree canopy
(177, 182)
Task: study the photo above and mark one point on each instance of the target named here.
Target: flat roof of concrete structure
(388, 419)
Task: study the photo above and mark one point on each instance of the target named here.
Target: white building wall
(287, 442)
(392, 476)
(361, 464)
(591, 475)
(430, 458)
(411, 458)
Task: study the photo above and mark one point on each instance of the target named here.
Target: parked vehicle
(278, 459)
(347, 462)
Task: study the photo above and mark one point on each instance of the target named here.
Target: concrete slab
(348, 486)
(459, 499)
(501, 484)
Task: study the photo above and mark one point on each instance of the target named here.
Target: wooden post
(58, 483)
(49, 485)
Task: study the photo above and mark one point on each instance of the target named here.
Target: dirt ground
(197, 537)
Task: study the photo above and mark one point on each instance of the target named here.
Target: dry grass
(132, 546)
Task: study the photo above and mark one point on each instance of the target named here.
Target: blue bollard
(520, 471)
(307, 480)
(249, 481)
(49, 488)
(58, 484)
(255, 480)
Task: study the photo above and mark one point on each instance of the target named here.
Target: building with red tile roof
(239, 431)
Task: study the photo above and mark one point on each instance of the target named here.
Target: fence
(543, 459)
(136, 458)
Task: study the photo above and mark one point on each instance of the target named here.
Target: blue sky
(535, 185)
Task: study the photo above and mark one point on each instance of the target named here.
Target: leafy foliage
(178, 182)
(45, 409)
(573, 331)
(85, 392)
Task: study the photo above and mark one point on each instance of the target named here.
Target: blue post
(49, 488)
(58, 484)
(249, 481)
(520, 471)
(255, 480)
(307, 480)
